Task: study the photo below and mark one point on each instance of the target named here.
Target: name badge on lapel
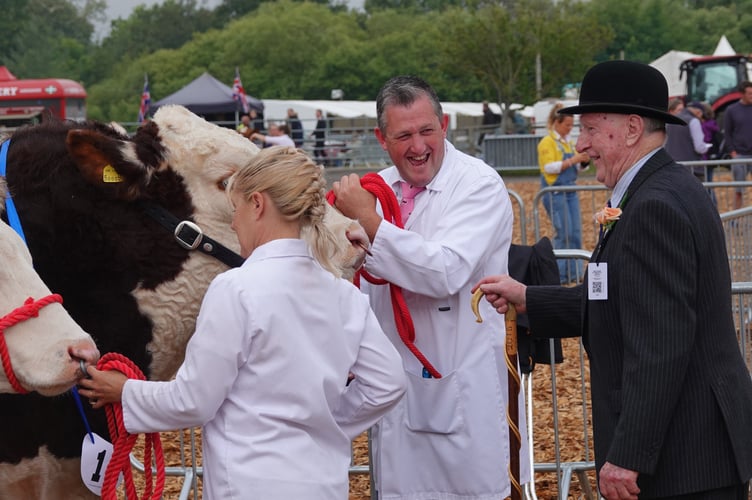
(597, 281)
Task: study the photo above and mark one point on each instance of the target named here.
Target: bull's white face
(206, 155)
(44, 351)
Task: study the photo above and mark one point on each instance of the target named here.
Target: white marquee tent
(724, 48)
(668, 64)
(276, 110)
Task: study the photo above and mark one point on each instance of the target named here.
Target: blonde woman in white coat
(265, 373)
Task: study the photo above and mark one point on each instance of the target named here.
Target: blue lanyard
(10, 207)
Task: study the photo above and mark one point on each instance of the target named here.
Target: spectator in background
(257, 122)
(737, 130)
(448, 438)
(244, 127)
(489, 123)
(279, 135)
(559, 164)
(319, 135)
(519, 123)
(675, 106)
(296, 128)
(687, 143)
(711, 135)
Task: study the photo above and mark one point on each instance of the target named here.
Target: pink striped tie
(408, 199)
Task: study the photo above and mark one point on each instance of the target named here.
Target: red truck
(25, 101)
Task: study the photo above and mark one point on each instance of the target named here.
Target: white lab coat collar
(281, 247)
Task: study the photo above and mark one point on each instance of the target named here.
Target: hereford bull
(44, 346)
(101, 212)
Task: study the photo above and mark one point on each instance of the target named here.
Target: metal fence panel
(517, 151)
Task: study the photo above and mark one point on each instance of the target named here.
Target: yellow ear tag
(109, 174)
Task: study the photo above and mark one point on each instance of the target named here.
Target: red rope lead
(375, 184)
(30, 309)
(122, 442)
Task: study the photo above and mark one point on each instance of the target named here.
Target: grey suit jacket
(671, 395)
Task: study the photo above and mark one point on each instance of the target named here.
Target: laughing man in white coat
(266, 371)
(448, 438)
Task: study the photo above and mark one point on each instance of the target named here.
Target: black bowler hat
(624, 87)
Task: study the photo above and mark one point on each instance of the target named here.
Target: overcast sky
(123, 8)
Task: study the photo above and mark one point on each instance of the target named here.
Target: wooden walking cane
(513, 386)
(513, 415)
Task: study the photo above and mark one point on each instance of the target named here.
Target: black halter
(190, 236)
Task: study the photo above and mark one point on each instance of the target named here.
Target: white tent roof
(724, 48)
(668, 64)
(276, 109)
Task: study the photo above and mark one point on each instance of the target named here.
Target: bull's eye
(223, 183)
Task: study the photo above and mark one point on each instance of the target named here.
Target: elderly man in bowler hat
(671, 395)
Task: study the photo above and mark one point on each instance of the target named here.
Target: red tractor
(715, 80)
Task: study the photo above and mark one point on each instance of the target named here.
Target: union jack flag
(238, 93)
(143, 110)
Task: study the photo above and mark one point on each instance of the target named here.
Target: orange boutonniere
(607, 217)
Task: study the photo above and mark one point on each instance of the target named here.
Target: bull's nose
(84, 351)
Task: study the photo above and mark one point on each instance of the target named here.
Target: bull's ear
(108, 162)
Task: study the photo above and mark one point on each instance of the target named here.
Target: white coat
(447, 438)
(265, 375)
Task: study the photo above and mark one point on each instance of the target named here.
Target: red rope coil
(375, 184)
(123, 442)
(30, 309)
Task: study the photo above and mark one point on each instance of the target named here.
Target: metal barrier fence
(737, 226)
(511, 152)
(564, 469)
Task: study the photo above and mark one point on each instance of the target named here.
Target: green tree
(498, 44)
(12, 23)
(645, 29)
(281, 59)
(232, 9)
(734, 21)
(56, 46)
(399, 44)
(406, 6)
(166, 26)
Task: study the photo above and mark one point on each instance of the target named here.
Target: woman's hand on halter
(103, 387)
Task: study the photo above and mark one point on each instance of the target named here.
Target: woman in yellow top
(559, 165)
